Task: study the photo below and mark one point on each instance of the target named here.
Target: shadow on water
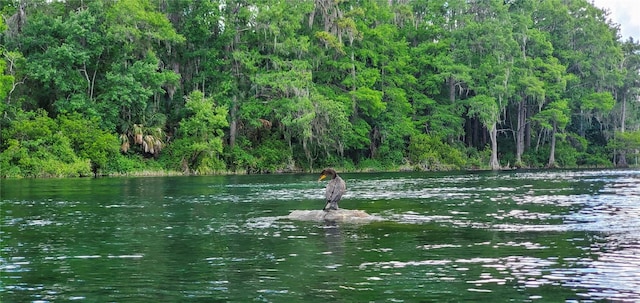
(523, 235)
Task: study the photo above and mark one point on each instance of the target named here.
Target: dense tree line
(202, 86)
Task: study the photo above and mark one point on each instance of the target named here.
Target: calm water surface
(559, 236)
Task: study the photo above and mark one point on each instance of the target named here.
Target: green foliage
(6, 82)
(240, 157)
(477, 159)
(297, 85)
(330, 41)
(358, 136)
(595, 156)
(271, 156)
(199, 148)
(442, 120)
(566, 155)
(485, 108)
(139, 22)
(430, 153)
(625, 141)
(603, 101)
(124, 164)
(578, 142)
(131, 88)
(89, 141)
(36, 146)
(370, 165)
(556, 113)
(370, 101)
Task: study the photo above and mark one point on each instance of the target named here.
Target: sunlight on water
(542, 236)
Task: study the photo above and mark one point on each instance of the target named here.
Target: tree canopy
(108, 86)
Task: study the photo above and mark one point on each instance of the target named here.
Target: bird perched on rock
(335, 188)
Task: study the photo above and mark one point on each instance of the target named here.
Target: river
(523, 236)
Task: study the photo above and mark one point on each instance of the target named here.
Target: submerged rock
(340, 215)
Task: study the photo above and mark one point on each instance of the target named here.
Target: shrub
(430, 153)
(272, 155)
(35, 146)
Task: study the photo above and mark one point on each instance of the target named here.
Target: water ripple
(525, 235)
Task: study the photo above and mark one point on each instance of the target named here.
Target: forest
(117, 87)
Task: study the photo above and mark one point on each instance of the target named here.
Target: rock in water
(340, 215)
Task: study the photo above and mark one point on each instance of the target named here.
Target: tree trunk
(527, 135)
(552, 152)
(468, 133)
(354, 104)
(493, 134)
(233, 125)
(622, 160)
(373, 146)
(452, 90)
(622, 157)
(520, 131)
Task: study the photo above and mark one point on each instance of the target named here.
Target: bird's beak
(322, 177)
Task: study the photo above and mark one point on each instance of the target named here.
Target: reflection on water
(569, 236)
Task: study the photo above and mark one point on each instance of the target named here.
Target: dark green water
(556, 236)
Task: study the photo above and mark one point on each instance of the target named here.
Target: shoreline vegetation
(174, 173)
(361, 170)
(149, 88)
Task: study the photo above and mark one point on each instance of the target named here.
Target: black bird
(335, 188)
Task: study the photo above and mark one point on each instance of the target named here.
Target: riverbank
(402, 168)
